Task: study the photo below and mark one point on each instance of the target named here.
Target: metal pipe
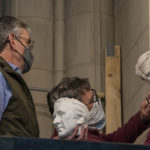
(38, 89)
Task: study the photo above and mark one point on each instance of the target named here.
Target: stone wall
(89, 27)
(132, 34)
(70, 39)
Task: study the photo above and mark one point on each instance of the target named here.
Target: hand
(82, 136)
(56, 137)
(145, 109)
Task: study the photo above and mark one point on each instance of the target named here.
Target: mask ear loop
(147, 100)
(95, 95)
(14, 36)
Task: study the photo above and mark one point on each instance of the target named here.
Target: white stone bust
(142, 67)
(68, 113)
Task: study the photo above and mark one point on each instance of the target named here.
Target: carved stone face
(67, 115)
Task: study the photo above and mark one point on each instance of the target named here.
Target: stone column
(59, 41)
(107, 32)
(1, 7)
(39, 15)
(88, 29)
(82, 39)
(134, 41)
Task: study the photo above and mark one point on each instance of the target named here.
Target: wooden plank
(112, 91)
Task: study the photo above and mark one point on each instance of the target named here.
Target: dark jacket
(19, 118)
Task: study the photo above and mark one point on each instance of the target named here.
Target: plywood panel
(112, 91)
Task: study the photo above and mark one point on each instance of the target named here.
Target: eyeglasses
(29, 41)
(94, 98)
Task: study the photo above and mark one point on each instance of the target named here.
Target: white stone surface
(107, 7)
(131, 26)
(59, 41)
(107, 30)
(85, 71)
(132, 34)
(77, 7)
(35, 8)
(129, 78)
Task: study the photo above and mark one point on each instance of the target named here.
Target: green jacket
(19, 118)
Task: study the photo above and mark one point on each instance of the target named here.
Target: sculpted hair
(71, 87)
(80, 109)
(9, 24)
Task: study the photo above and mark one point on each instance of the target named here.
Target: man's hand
(82, 136)
(145, 109)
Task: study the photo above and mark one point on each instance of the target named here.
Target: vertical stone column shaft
(59, 41)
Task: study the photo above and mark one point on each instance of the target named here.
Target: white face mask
(97, 116)
(68, 113)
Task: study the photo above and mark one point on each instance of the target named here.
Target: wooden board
(112, 89)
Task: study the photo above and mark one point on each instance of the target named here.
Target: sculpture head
(142, 67)
(68, 113)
